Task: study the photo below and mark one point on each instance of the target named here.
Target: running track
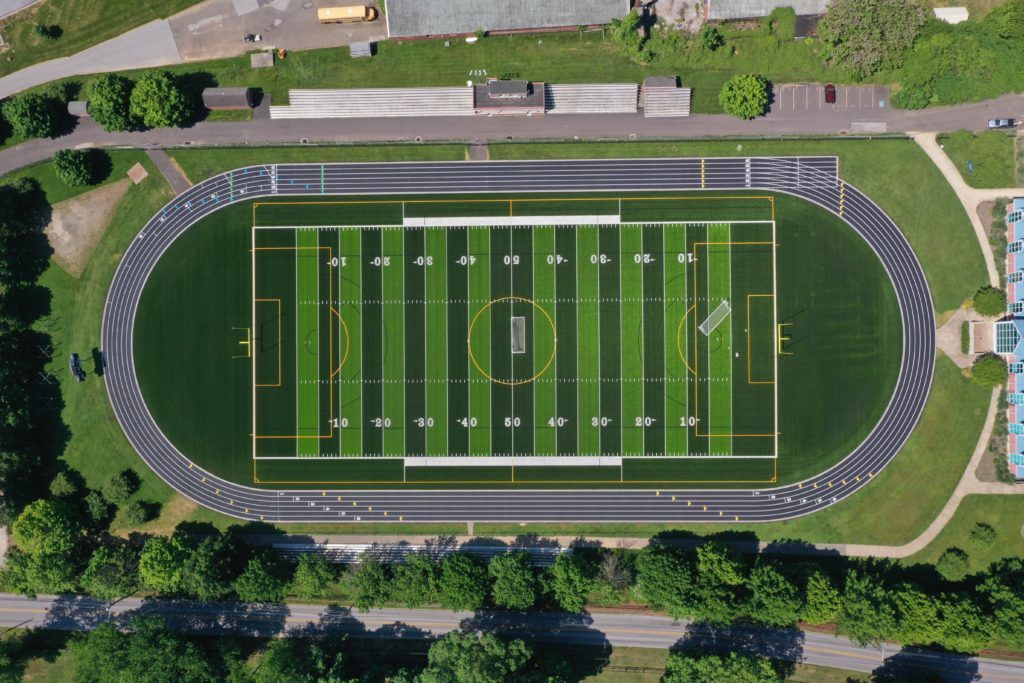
(815, 179)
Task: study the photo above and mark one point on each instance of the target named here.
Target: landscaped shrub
(953, 564)
(989, 371)
(990, 301)
(983, 535)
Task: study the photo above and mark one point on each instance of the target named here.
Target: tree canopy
(990, 301)
(31, 115)
(688, 666)
(73, 167)
(571, 582)
(109, 98)
(157, 101)
(515, 585)
(459, 657)
(463, 582)
(870, 35)
(990, 371)
(745, 96)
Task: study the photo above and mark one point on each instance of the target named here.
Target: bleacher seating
(375, 103)
(591, 98)
(661, 102)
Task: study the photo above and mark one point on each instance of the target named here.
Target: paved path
(481, 129)
(171, 173)
(947, 338)
(148, 45)
(600, 628)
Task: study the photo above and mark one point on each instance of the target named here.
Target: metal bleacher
(591, 98)
(662, 102)
(375, 103)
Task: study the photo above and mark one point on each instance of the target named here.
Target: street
(601, 628)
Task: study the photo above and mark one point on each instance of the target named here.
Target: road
(482, 129)
(600, 628)
(812, 178)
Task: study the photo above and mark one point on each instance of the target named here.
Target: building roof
(78, 108)
(1010, 337)
(661, 82)
(951, 15)
(408, 18)
(719, 10)
(226, 97)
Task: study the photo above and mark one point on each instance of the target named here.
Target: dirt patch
(174, 512)
(77, 224)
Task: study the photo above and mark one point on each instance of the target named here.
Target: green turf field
(639, 340)
(703, 339)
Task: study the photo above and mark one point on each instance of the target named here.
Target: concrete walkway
(171, 173)
(148, 45)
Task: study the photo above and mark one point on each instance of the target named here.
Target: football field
(500, 343)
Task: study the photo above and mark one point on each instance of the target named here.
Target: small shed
(364, 49)
(227, 98)
(79, 108)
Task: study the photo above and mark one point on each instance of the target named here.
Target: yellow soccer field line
(749, 380)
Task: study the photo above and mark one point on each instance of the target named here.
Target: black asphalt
(815, 179)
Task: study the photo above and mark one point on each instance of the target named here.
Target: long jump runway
(814, 179)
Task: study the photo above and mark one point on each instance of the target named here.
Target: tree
(867, 615)
(953, 564)
(990, 371)
(515, 585)
(685, 667)
(870, 35)
(711, 38)
(1003, 594)
(63, 486)
(614, 571)
(264, 579)
(72, 166)
(1008, 20)
(983, 535)
(718, 578)
(821, 599)
(965, 626)
(109, 98)
(149, 651)
(664, 578)
(917, 616)
(571, 582)
(157, 101)
(137, 512)
(745, 96)
(161, 562)
(313, 574)
(47, 527)
(782, 23)
(468, 658)
(990, 301)
(210, 570)
(371, 582)
(463, 583)
(300, 661)
(33, 573)
(96, 506)
(627, 33)
(774, 600)
(112, 572)
(119, 487)
(31, 115)
(414, 582)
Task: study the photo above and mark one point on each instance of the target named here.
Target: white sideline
(471, 221)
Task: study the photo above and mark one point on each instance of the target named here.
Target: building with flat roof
(421, 18)
(1009, 335)
(724, 10)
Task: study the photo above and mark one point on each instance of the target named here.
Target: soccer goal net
(716, 318)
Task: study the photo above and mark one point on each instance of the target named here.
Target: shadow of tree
(785, 646)
(911, 665)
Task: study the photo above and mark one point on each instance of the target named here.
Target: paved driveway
(214, 29)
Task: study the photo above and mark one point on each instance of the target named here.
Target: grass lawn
(199, 164)
(1004, 513)
(991, 154)
(941, 446)
(97, 447)
(57, 190)
(935, 228)
(83, 23)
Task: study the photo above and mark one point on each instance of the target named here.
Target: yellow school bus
(346, 15)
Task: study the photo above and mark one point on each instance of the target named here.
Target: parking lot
(796, 97)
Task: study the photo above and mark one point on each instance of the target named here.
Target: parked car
(1001, 123)
(830, 93)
